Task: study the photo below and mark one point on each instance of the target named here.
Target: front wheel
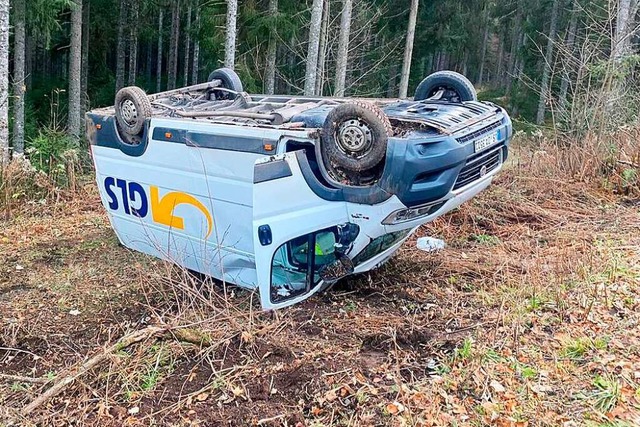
(449, 85)
(354, 139)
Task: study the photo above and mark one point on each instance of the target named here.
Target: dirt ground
(530, 317)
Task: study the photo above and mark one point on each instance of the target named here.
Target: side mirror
(336, 270)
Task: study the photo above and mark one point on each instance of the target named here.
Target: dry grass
(530, 317)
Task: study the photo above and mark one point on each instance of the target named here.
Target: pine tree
(230, 35)
(121, 47)
(4, 82)
(548, 58)
(172, 72)
(19, 75)
(187, 47)
(159, 59)
(311, 73)
(343, 47)
(195, 68)
(270, 73)
(133, 41)
(75, 71)
(86, 33)
(408, 50)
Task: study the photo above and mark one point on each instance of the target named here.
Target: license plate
(486, 142)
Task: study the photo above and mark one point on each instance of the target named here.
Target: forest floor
(530, 317)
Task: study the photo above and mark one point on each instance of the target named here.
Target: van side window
(294, 270)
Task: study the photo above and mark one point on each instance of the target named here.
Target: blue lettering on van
(136, 202)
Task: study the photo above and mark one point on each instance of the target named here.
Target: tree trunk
(187, 47)
(408, 50)
(148, 67)
(133, 42)
(548, 58)
(322, 49)
(30, 51)
(498, 76)
(622, 39)
(465, 62)
(172, 72)
(230, 37)
(75, 71)
(18, 75)
(311, 73)
(291, 63)
(393, 76)
(485, 45)
(343, 47)
(272, 49)
(195, 68)
(4, 82)
(121, 54)
(515, 47)
(159, 59)
(571, 39)
(84, 82)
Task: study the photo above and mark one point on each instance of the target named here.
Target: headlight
(404, 215)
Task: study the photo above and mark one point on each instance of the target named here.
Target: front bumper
(424, 170)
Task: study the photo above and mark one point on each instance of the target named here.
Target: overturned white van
(288, 194)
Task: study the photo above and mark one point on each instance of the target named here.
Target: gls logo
(161, 209)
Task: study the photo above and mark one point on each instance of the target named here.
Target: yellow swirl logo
(162, 209)
(135, 202)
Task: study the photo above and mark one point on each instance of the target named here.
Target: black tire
(354, 137)
(457, 87)
(230, 80)
(133, 108)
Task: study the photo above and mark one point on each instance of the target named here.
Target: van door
(295, 232)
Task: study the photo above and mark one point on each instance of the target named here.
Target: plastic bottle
(430, 244)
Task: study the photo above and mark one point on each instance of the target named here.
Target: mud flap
(286, 214)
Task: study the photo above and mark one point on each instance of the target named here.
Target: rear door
(295, 232)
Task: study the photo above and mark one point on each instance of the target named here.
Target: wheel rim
(129, 112)
(354, 137)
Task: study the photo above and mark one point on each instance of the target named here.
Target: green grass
(485, 239)
(464, 352)
(607, 394)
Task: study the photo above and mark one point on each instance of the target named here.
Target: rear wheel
(133, 108)
(230, 80)
(354, 142)
(452, 87)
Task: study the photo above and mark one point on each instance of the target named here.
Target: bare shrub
(595, 108)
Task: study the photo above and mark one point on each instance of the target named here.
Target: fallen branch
(192, 336)
(630, 164)
(18, 350)
(22, 379)
(80, 370)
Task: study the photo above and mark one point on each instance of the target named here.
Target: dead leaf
(202, 397)
(330, 396)
(246, 337)
(395, 408)
(497, 387)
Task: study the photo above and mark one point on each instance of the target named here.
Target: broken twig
(80, 370)
(22, 379)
